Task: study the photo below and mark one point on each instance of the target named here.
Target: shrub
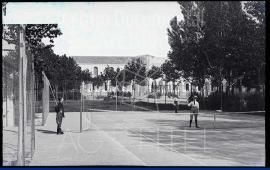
(158, 94)
(232, 103)
(151, 95)
(119, 93)
(212, 102)
(100, 97)
(128, 94)
(161, 106)
(170, 94)
(110, 94)
(255, 102)
(154, 95)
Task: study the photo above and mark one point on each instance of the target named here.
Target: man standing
(194, 111)
(59, 115)
(175, 100)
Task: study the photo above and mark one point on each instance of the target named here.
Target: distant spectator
(175, 101)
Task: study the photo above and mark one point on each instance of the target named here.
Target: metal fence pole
(116, 96)
(21, 146)
(6, 99)
(82, 88)
(25, 60)
(147, 92)
(43, 100)
(32, 98)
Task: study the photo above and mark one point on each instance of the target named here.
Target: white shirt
(194, 105)
(175, 100)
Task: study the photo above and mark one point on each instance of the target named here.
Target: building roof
(106, 59)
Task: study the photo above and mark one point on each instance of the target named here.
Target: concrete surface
(152, 139)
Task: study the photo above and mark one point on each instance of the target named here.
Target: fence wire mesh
(18, 102)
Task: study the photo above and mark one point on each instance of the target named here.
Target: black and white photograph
(177, 83)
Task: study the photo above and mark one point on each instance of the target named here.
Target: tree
(99, 80)
(254, 44)
(86, 76)
(154, 73)
(34, 34)
(170, 72)
(184, 38)
(135, 71)
(109, 74)
(63, 71)
(217, 40)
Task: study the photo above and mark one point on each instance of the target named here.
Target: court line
(193, 159)
(220, 130)
(119, 144)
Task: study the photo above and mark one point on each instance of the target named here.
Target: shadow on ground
(46, 131)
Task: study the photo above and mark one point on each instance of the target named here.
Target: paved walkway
(151, 139)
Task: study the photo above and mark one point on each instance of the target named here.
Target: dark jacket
(59, 108)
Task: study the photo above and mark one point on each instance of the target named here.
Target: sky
(101, 28)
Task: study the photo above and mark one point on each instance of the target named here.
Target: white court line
(193, 159)
(189, 157)
(119, 144)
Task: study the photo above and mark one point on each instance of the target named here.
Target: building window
(187, 87)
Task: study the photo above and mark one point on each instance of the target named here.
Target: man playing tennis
(194, 111)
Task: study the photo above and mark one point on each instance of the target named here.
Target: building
(97, 64)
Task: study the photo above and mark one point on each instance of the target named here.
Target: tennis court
(152, 139)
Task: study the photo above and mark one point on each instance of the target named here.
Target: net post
(82, 88)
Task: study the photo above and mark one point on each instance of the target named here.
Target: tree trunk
(174, 88)
(227, 90)
(56, 91)
(191, 88)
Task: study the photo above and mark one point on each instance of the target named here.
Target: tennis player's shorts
(194, 111)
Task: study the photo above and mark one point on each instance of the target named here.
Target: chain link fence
(18, 102)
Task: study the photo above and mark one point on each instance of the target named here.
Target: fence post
(82, 89)
(116, 96)
(32, 98)
(147, 92)
(6, 99)
(165, 92)
(43, 100)
(21, 126)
